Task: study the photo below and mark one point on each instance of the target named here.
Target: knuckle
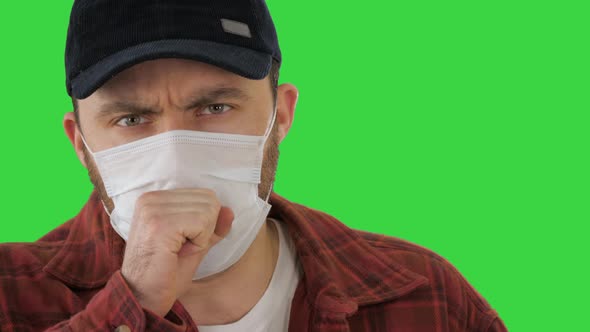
(214, 202)
(151, 222)
(212, 209)
(145, 198)
(209, 192)
(198, 228)
(154, 220)
(145, 211)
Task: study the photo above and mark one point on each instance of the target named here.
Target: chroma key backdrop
(461, 126)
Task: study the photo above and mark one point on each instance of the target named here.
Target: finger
(190, 255)
(172, 230)
(189, 249)
(202, 238)
(195, 227)
(177, 196)
(189, 259)
(223, 226)
(176, 207)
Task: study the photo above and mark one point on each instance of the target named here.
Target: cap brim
(242, 61)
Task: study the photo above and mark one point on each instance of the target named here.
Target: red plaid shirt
(69, 280)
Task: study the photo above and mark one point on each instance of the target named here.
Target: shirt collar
(341, 269)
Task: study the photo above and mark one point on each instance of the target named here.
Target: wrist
(150, 304)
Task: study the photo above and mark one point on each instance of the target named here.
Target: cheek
(252, 123)
(271, 150)
(85, 157)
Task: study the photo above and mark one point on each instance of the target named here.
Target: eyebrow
(200, 98)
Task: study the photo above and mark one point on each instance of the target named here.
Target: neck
(226, 297)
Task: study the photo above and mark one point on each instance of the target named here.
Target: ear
(74, 135)
(287, 96)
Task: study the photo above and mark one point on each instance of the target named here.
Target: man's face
(174, 94)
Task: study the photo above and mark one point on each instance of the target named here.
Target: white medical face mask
(229, 164)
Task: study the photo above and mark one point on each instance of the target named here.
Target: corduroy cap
(108, 36)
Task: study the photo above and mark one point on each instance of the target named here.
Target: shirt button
(123, 328)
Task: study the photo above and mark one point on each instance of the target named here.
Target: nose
(177, 120)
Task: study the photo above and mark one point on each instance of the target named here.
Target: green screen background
(458, 125)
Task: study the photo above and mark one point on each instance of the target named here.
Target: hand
(171, 232)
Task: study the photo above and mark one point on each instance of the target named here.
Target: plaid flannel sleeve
(115, 306)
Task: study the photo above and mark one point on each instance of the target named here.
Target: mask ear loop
(272, 123)
(86, 145)
(92, 153)
(266, 135)
(105, 208)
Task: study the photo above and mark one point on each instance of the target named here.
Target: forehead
(176, 77)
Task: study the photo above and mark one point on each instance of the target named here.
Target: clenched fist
(171, 232)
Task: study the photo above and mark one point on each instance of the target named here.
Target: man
(177, 117)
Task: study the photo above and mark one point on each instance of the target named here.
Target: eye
(216, 109)
(130, 121)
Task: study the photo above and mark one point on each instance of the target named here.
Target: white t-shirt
(271, 313)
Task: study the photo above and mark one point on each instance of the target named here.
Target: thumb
(190, 256)
(224, 222)
(225, 219)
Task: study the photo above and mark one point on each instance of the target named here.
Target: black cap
(108, 36)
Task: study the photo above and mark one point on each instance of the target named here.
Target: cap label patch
(236, 28)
